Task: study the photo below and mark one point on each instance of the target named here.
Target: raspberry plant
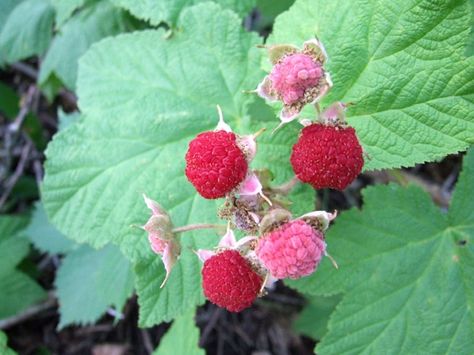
(347, 86)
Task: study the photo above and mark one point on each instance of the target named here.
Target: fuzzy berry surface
(294, 75)
(327, 156)
(215, 164)
(291, 251)
(229, 281)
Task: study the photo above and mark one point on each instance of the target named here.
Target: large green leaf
(90, 281)
(20, 39)
(404, 67)
(407, 271)
(18, 290)
(76, 36)
(169, 10)
(143, 99)
(182, 337)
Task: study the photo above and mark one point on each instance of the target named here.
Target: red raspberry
(294, 75)
(215, 164)
(229, 281)
(327, 156)
(293, 250)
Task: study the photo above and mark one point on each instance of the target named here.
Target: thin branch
(11, 182)
(26, 69)
(24, 110)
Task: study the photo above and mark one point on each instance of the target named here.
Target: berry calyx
(215, 164)
(327, 156)
(229, 281)
(291, 251)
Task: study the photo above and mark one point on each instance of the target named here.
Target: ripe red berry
(215, 164)
(229, 281)
(327, 156)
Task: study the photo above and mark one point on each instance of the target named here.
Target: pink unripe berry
(293, 250)
(294, 75)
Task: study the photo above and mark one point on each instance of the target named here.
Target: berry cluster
(327, 154)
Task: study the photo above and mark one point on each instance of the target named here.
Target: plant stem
(192, 227)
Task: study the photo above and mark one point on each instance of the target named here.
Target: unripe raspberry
(327, 156)
(215, 164)
(294, 75)
(293, 250)
(297, 77)
(229, 281)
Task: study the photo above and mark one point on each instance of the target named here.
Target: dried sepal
(273, 219)
(162, 240)
(278, 51)
(319, 219)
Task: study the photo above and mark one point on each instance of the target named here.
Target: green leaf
(470, 43)
(402, 64)
(313, 320)
(65, 8)
(18, 291)
(6, 7)
(141, 107)
(169, 10)
(44, 236)
(4, 349)
(9, 102)
(76, 36)
(20, 39)
(303, 199)
(182, 337)
(407, 271)
(67, 119)
(144, 98)
(89, 282)
(13, 247)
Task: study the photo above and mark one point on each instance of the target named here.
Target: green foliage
(169, 11)
(182, 337)
(9, 101)
(18, 290)
(313, 320)
(89, 281)
(6, 7)
(4, 349)
(406, 270)
(44, 236)
(65, 8)
(470, 43)
(20, 39)
(90, 25)
(144, 95)
(67, 119)
(403, 66)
